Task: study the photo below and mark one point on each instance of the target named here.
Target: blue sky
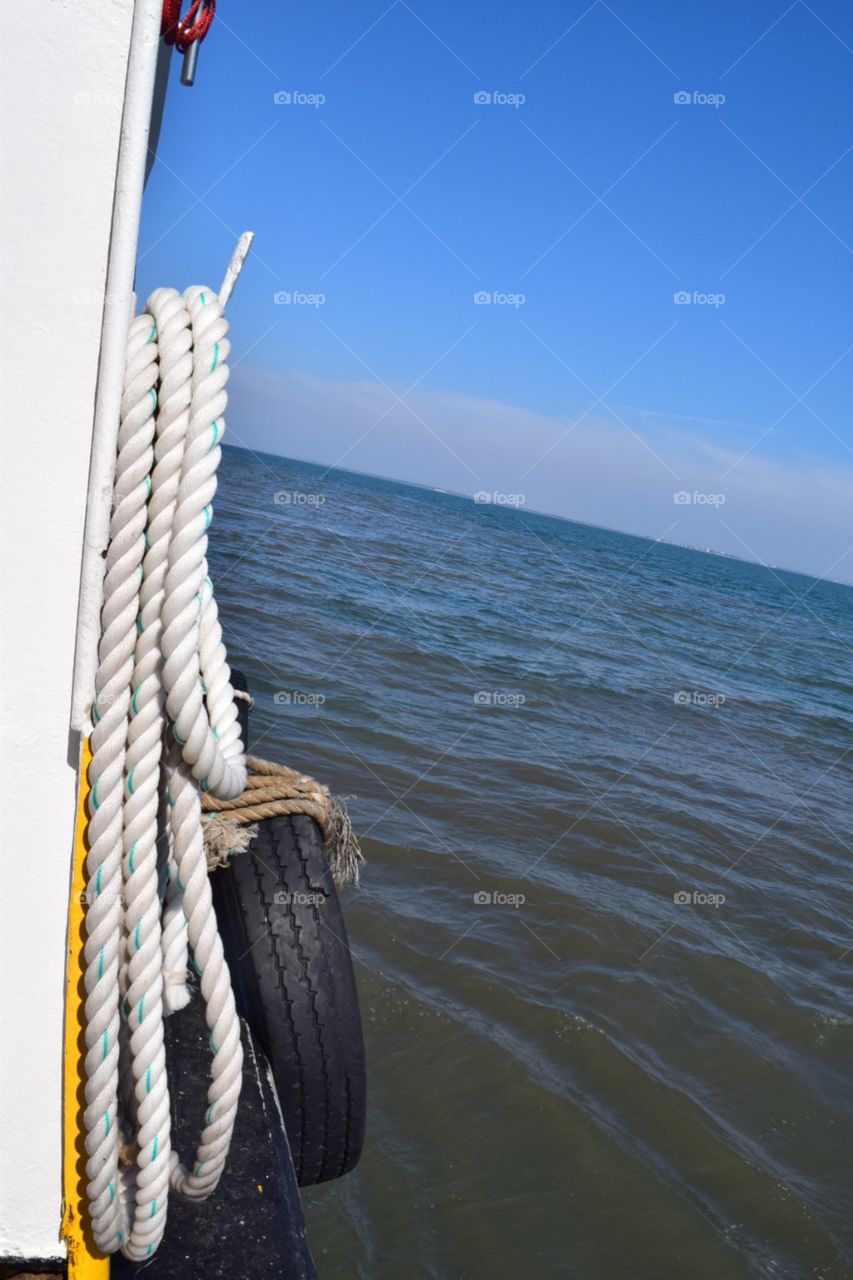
(581, 199)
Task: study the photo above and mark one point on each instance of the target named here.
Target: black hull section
(252, 1228)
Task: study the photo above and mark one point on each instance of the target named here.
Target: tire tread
(295, 983)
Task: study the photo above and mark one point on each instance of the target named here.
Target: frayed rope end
(345, 856)
(223, 837)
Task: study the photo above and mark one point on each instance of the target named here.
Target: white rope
(165, 726)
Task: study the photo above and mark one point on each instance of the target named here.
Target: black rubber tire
(286, 945)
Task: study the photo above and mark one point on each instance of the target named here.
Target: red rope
(194, 25)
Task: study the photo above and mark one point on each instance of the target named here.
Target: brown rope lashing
(271, 791)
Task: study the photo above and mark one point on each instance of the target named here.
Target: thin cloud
(598, 472)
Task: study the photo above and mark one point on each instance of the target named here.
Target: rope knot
(272, 790)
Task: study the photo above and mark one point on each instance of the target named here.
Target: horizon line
(548, 515)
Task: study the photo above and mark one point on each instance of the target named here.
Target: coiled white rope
(165, 727)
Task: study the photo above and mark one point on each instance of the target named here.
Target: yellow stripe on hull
(85, 1262)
